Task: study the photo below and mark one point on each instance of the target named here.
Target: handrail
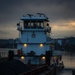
(36, 71)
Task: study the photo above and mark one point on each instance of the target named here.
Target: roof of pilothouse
(30, 17)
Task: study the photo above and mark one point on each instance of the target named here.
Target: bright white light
(22, 57)
(43, 58)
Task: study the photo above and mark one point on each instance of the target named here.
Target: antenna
(40, 14)
(30, 15)
(23, 15)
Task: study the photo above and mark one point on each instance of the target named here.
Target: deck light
(41, 45)
(43, 58)
(22, 57)
(25, 45)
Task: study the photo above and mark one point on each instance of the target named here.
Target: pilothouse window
(25, 24)
(40, 25)
(29, 24)
(33, 24)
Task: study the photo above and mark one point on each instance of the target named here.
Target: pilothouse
(34, 37)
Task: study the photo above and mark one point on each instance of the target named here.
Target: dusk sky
(61, 14)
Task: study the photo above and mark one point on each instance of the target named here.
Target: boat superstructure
(34, 38)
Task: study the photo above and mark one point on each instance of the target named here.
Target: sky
(61, 14)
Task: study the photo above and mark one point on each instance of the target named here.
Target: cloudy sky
(61, 14)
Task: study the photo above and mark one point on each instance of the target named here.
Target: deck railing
(36, 71)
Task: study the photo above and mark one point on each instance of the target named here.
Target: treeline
(8, 43)
(68, 44)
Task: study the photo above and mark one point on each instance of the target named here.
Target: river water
(68, 58)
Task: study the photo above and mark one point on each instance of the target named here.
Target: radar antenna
(40, 14)
(30, 15)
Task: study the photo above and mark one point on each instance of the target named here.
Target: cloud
(8, 32)
(56, 10)
(63, 28)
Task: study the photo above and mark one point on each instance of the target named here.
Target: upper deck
(32, 18)
(31, 22)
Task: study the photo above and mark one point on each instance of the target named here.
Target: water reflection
(69, 59)
(65, 72)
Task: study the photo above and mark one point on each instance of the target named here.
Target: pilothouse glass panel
(25, 24)
(33, 24)
(40, 25)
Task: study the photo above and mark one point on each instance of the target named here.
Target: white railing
(4, 52)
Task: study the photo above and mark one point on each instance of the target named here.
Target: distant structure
(6, 45)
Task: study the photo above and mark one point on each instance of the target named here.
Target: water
(65, 71)
(69, 59)
(69, 63)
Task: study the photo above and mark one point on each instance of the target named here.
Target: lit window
(25, 45)
(41, 45)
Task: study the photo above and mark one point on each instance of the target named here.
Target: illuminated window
(25, 45)
(41, 45)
